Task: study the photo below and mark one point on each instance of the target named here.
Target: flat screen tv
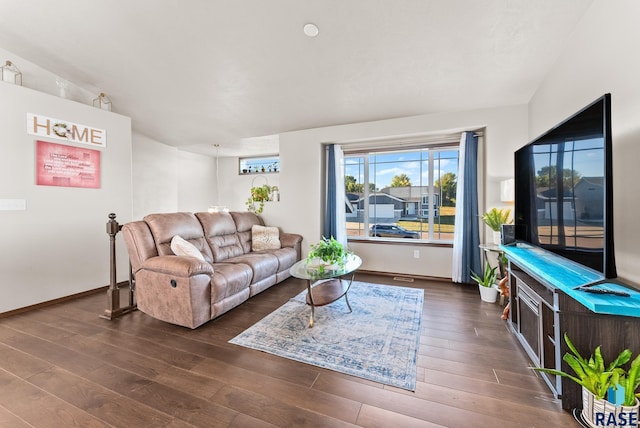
(564, 189)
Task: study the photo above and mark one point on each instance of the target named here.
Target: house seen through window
(402, 194)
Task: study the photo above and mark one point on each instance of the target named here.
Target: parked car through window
(392, 231)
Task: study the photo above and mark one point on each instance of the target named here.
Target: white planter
(317, 263)
(497, 237)
(601, 413)
(488, 294)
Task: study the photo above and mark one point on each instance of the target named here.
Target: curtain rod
(402, 143)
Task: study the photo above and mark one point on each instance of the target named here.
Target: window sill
(399, 241)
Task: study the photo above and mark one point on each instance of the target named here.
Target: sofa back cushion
(165, 226)
(220, 233)
(244, 222)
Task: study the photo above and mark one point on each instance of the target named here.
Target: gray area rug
(377, 341)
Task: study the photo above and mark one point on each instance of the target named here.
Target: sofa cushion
(229, 279)
(220, 233)
(287, 257)
(180, 247)
(263, 265)
(264, 238)
(244, 222)
(165, 226)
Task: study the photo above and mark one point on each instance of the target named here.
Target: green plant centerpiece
(495, 217)
(327, 252)
(259, 195)
(602, 380)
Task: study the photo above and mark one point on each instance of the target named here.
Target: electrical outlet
(416, 254)
(13, 204)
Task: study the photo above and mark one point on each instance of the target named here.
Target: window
(259, 165)
(402, 194)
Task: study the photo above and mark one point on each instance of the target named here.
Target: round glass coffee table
(326, 286)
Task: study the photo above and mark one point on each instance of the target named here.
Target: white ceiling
(194, 73)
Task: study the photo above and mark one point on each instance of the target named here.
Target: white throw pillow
(181, 247)
(264, 238)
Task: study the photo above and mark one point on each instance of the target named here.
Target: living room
(62, 230)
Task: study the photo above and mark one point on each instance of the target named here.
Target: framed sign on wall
(67, 166)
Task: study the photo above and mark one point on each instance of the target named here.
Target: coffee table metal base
(325, 292)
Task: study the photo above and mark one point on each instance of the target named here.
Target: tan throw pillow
(264, 238)
(181, 247)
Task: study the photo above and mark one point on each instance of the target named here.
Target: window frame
(270, 164)
(438, 144)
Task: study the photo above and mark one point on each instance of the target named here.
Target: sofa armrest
(290, 239)
(181, 266)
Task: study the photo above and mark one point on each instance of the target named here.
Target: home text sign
(43, 126)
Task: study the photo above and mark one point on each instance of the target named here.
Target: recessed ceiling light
(311, 30)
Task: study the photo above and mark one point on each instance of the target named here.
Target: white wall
(166, 179)
(196, 181)
(602, 57)
(155, 177)
(300, 179)
(58, 246)
(234, 187)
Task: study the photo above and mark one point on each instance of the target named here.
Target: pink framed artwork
(67, 166)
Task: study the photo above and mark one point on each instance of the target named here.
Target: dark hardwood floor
(63, 366)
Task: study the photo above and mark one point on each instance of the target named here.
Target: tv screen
(564, 192)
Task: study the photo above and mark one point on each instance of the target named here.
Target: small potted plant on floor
(486, 283)
(496, 217)
(327, 254)
(608, 391)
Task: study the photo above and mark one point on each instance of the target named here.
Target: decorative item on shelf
(62, 86)
(275, 193)
(487, 283)
(261, 194)
(10, 73)
(609, 395)
(494, 218)
(327, 254)
(103, 102)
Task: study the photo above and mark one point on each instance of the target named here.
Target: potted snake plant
(609, 395)
(486, 283)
